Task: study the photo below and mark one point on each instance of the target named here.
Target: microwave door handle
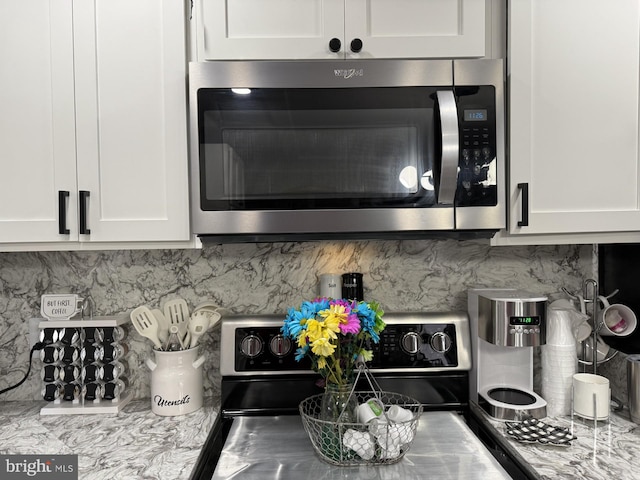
(450, 147)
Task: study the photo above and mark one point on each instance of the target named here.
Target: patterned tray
(533, 430)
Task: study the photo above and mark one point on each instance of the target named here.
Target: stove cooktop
(426, 356)
(278, 447)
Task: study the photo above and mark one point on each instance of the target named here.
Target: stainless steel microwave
(346, 149)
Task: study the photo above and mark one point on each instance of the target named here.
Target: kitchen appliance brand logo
(19, 467)
(347, 73)
(161, 402)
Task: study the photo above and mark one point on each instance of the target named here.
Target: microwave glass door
(311, 148)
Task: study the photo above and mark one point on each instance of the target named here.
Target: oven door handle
(450, 147)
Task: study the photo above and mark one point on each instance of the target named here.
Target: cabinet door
(416, 28)
(37, 136)
(573, 80)
(131, 118)
(274, 29)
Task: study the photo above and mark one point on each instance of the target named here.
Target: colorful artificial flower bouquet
(333, 333)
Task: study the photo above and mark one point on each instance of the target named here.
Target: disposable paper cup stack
(559, 362)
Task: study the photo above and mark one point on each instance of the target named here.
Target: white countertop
(135, 444)
(610, 450)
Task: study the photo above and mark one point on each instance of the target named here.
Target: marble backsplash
(431, 275)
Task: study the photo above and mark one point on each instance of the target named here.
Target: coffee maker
(505, 326)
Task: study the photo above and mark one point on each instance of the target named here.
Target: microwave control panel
(477, 182)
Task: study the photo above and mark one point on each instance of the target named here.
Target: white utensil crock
(176, 382)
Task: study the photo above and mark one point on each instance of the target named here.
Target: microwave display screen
(478, 115)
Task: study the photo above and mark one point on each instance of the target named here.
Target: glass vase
(338, 404)
(338, 410)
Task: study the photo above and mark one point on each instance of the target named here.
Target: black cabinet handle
(84, 198)
(356, 45)
(335, 45)
(525, 204)
(62, 212)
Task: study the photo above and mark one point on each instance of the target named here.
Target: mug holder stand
(590, 297)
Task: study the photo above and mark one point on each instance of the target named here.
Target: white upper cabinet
(242, 29)
(131, 122)
(573, 81)
(307, 29)
(93, 122)
(416, 28)
(37, 125)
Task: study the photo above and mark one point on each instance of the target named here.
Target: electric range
(259, 433)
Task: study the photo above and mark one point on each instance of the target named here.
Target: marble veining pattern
(604, 452)
(431, 275)
(616, 371)
(135, 444)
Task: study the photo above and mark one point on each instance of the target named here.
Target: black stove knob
(411, 342)
(251, 346)
(441, 342)
(280, 345)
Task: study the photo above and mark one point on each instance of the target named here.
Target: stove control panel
(265, 349)
(416, 346)
(410, 342)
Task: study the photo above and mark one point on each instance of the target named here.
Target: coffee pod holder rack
(591, 304)
(72, 401)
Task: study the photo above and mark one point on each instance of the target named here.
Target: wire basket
(378, 442)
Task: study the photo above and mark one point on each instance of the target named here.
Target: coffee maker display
(505, 326)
